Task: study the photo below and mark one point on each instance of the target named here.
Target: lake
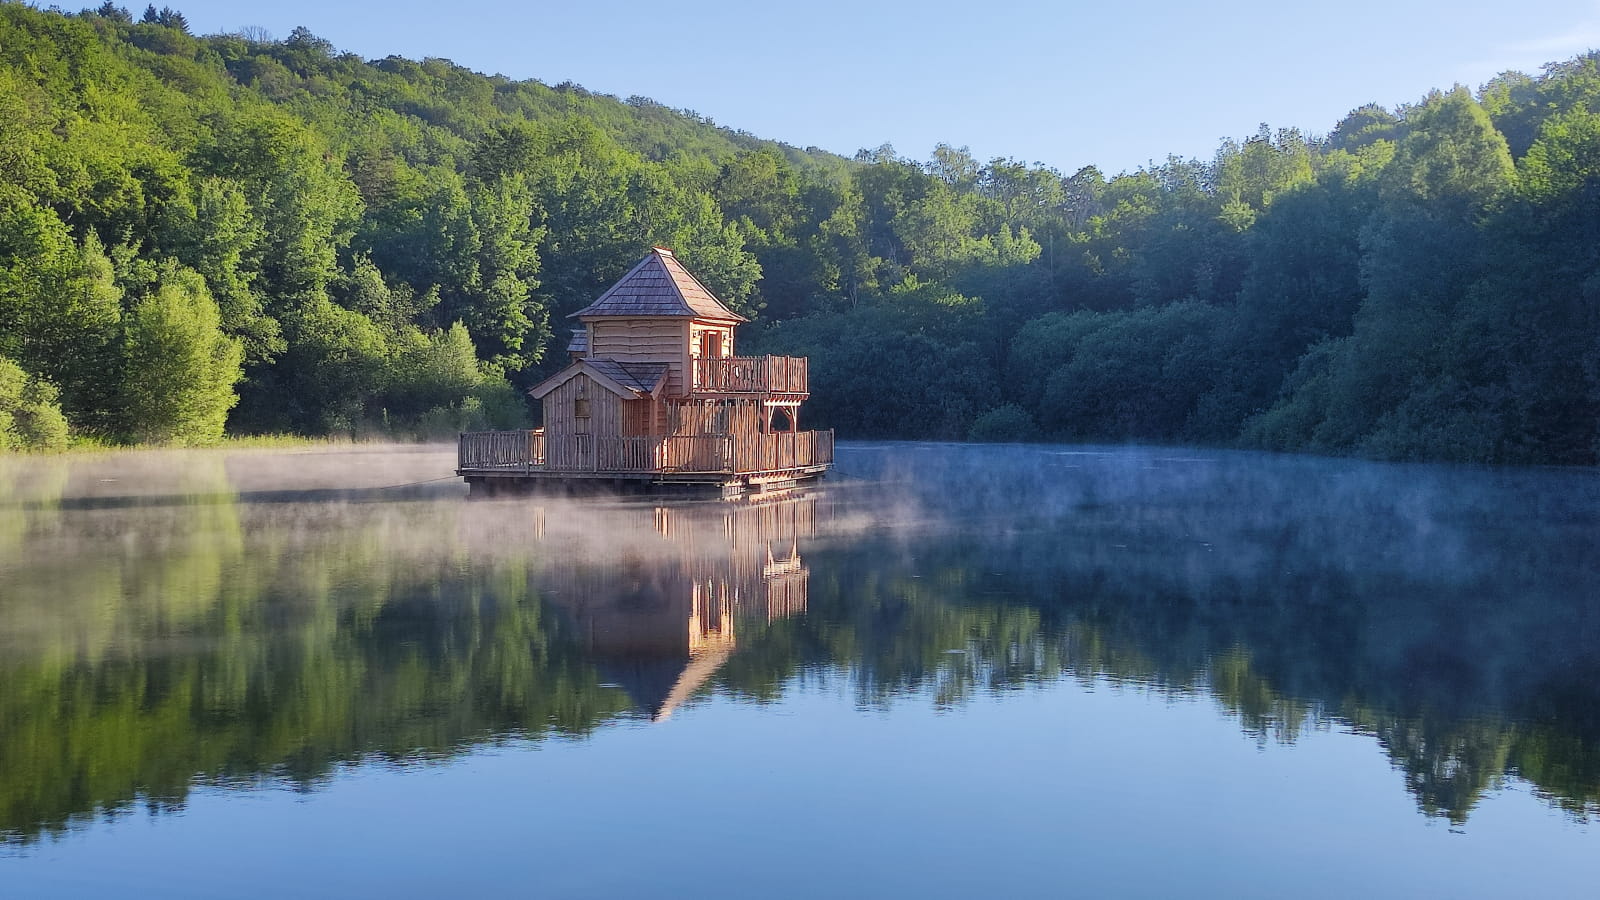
(946, 671)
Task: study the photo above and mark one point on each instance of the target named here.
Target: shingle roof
(642, 377)
(617, 377)
(579, 342)
(660, 286)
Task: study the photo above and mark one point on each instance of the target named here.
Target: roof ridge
(672, 278)
(698, 283)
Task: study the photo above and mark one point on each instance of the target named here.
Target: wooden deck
(719, 460)
(771, 375)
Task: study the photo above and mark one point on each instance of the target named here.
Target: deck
(782, 376)
(713, 459)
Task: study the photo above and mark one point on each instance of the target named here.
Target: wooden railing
(569, 453)
(624, 454)
(500, 449)
(752, 375)
(534, 451)
(697, 453)
(784, 450)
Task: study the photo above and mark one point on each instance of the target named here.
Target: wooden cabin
(654, 396)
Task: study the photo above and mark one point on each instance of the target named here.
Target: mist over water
(1035, 637)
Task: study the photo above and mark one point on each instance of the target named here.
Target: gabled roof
(660, 286)
(630, 381)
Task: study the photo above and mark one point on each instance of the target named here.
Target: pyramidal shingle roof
(660, 286)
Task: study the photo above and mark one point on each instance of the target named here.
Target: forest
(236, 234)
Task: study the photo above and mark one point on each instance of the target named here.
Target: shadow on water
(212, 628)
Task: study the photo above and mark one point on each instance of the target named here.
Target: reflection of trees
(215, 642)
(34, 483)
(148, 647)
(1397, 601)
(896, 636)
(397, 682)
(150, 644)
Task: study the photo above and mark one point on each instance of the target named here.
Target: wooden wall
(605, 408)
(661, 339)
(637, 416)
(655, 340)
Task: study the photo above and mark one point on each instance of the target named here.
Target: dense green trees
(1388, 291)
(1459, 348)
(180, 369)
(372, 237)
(1416, 284)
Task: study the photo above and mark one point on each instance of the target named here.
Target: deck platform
(497, 463)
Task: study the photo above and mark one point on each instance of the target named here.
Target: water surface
(949, 670)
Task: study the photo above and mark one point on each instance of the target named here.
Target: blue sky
(1115, 85)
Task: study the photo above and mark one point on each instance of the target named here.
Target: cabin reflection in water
(661, 620)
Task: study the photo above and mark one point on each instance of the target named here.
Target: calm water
(950, 671)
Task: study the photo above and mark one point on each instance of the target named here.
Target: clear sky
(1111, 84)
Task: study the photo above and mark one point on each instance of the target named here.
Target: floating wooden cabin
(655, 399)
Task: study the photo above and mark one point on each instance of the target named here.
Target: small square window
(580, 408)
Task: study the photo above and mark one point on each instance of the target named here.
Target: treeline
(1418, 284)
(240, 233)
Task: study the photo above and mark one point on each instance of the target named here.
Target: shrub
(1003, 424)
(30, 411)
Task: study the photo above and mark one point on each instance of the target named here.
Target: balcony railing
(783, 450)
(510, 452)
(751, 375)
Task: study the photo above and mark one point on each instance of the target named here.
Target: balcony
(751, 375)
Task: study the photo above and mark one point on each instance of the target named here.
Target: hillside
(210, 234)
